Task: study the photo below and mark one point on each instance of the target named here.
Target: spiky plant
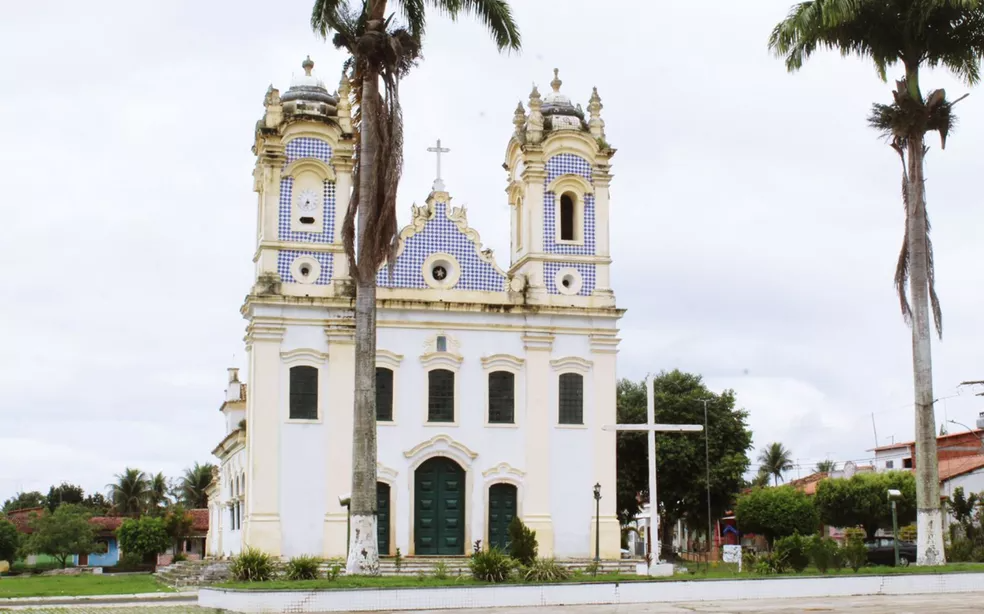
(383, 47)
(913, 34)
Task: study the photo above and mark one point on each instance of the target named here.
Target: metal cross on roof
(438, 182)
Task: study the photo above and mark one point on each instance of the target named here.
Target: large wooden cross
(651, 427)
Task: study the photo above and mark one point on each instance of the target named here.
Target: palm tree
(761, 478)
(130, 493)
(157, 493)
(379, 49)
(915, 34)
(825, 466)
(194, 484)
(775, 459)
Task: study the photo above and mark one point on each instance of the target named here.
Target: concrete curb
(186, 597)
(516, 596)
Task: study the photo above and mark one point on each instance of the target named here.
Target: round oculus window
(305, 270)
(441, 271)
(568, 281)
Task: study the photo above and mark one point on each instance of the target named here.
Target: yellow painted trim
(503, 470)
(306, 356)
(571, 364)
(312, 165)
(438, 444)
(570, 182)
(503, 361)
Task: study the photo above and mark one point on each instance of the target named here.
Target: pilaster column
(602, 180)
(343, 164)
(535, 176)
(266, 182)
(539, 414)
(262, 526)
(339, 415)
(604, 348)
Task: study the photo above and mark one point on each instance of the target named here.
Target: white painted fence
(506, 596)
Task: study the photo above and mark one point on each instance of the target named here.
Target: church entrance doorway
(502, 510)
(439, 508)
(383, 518)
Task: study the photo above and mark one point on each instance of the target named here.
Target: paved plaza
(961, 603)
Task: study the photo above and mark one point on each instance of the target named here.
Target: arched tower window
(519, 225)
(567, 217)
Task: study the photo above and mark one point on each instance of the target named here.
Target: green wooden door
(439, 508)
(502, 510)
(383, 518)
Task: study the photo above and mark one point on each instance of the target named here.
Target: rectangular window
(571, 395)
(502, 386)
(889, 464)
(304, 393)
(440, 396)
(384, 394)
(907, 463)
(442, 343)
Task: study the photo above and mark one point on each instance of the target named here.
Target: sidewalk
(101, 601)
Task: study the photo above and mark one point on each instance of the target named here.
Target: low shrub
(794, 549)
(398, 561)
(441, 570)
(545, 570)
(854, 551)
(823, 551)
(491, 566)
(252, 565)
(179, 557)
(303, 568)
(335, 567)
(749, 559)
(523, 546)
(592, 568)
(908, 533)
(772, 563)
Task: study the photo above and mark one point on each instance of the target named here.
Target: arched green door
(383, 518)
(439, 508)
(502, 510)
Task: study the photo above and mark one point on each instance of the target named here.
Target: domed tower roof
(308, 94)
(556, 104)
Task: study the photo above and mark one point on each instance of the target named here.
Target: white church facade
(493, 382)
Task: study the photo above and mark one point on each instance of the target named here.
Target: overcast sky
(756, 220)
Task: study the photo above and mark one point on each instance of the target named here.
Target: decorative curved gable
(438, 228)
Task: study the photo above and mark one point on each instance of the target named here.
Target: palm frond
(414, 16)
(496, 15)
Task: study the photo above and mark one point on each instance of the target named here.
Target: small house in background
(192, 546)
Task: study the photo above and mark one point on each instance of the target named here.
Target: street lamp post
(894, 494)
(597, 497)
(707, 462)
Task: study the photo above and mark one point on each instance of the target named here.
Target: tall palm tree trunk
(929, 518)
(363, 555)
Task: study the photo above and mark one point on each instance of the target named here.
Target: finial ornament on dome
(307, 65)
(556, 83)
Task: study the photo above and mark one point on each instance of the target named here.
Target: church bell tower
(559, 173)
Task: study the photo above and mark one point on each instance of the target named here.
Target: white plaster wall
(233, 466)
(972, 482)
(233, 418)
(571, 463)
(303, 466)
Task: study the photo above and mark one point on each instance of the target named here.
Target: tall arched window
(384, 394)
(440, 396)
(519, 224)
(303, 393)
(502, 397)
(567, 217)
(571, 396)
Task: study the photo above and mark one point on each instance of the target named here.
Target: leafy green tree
(24, 501)
(194, 484)
(157, 494)
(145, 537)
(775, 459)
(130, 493)
(380, 50)
(65, 493)
(762, 479)
(914, 34)
(963, 508)
(776, 512)
(97, 504)
(9, 540)
(61, 534)
(825, 466)
(178, 523)
(680, 457)
(862, 500)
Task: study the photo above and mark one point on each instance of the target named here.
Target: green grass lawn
(721, 572)
(64, 586)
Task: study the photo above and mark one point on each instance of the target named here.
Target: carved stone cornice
(604, 344)
(265, 330)
(535, 340)
(340, 331)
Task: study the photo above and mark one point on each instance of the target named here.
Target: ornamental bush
(823, 552)
(252, 565)
(546, 570)
(303, 568)
(776, 512)
(522, 546)
(794, 549)
(854, 551)
(491, 566)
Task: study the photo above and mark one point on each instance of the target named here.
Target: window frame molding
(390, 360)
(502, 473)
(306, 357)
(447, 361)
(511, 364)
(578, 187)
(580, 366)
